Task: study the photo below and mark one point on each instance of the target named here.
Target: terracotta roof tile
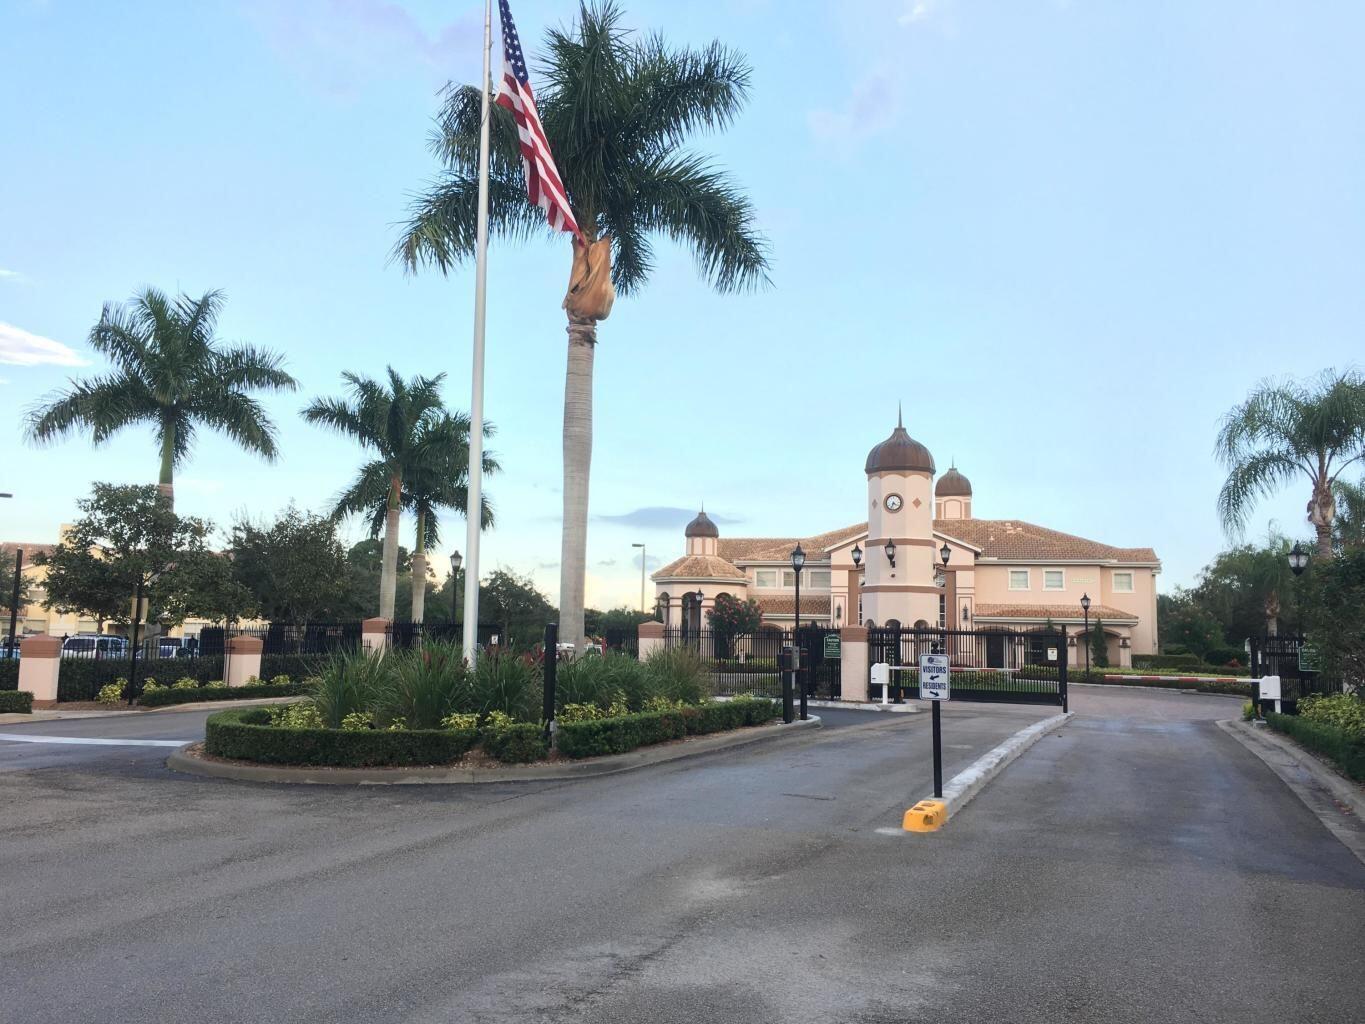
(811, 607)
(1014, 538)
(779, 549)
(699, 567)
(1065, 612)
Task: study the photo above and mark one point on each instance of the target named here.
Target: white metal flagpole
(474, 508)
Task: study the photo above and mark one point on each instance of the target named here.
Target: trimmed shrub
(715, 717)
(1201, 685)
(1342, 711)
(619, 735)
(1332, 742)
(1224, 656)
(82, 678)
(1166, 661)
(296, 666)
(9, 674)
(516, 744)
(164, 696)
(16, 702)
(246, 734)
(112, 693)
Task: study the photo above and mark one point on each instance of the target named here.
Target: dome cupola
(701, 527)
(899, 453)
(953, 484)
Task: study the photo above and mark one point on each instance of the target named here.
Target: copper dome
(701, 527)
(953, 484)
(899, 453)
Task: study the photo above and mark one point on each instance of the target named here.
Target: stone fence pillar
(374, 635)
(40, 661)
(243, 660)
(651, 638)
(853, 663)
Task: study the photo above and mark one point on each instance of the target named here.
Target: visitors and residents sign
(933, 677)
(832, 645)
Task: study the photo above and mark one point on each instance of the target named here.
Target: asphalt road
(1136, 865)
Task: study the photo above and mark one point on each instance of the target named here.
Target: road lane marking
(15, 737)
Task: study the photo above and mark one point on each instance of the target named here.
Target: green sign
(832, 645)
(1308, 658)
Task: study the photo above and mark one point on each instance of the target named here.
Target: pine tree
(1099, 650)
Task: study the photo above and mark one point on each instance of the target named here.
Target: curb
(57, 715)
(972, 779)
(614, 764)
(1337, 803)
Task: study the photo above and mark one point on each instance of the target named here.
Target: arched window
(893, 623)
(661, 606)
(921, 624)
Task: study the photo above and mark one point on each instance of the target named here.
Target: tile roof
(1066, 612)
(699, 567)
(779, 549)
(1014, 538)
(813, 607)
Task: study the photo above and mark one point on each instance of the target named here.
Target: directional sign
(933, 677)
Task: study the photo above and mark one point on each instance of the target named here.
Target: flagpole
(474, 508)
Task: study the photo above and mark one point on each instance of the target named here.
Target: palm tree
(617, 112)
(436, 477)
(391, 419)
(1290, 429)
(169, 371)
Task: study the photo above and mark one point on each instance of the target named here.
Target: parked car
(10, 650)
(173, 647)
(92, 645)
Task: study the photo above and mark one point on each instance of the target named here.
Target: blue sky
(1066, 235)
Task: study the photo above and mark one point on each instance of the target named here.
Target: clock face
(893, 502)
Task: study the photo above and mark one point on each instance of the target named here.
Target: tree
(171, 372)
(126, 536)
(1335, 617)
(1182, 622)
(1288, 430)
(1099, 647)
(436, 477)
(616, 112)
(294, 568)
(1249, 589)
(622, 620)
(364, 570)
(730, 616)
(398, 421)
(519, 609)
(1349, 526)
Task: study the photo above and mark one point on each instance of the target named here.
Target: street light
(456, 560)
(798, 563)
(1298, 559)
(1085, 607)
(857, 556)
(890, 550)
(642, 576)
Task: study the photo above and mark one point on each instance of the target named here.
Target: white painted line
(15, 737)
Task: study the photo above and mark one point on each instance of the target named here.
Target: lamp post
(1298, 562)
(798, 563)
(456, 560)
(700, 596)
(642, 576)
(1085, 607)
(13, 652)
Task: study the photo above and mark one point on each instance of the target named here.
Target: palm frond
(443, 223)
(246, 366)
(103, 405)
(240, 417)
(1253, 477)
(677, 92)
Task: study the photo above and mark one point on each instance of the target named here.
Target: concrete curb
(182, 761)
(57, 715)
(1337, 802)
(972, 779)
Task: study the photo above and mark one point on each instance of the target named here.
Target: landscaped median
(425, 716)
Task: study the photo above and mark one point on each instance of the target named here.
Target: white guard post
(1269, 689)
(881, 676)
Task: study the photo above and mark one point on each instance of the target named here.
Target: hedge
(1200, 685)
(245, 734)
(81, 678)
(1338, 746)
(9, 674)
(1166, 661)
(623, 734)
(516, 744)
(162, 697)
(16, 702)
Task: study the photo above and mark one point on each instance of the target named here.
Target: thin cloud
(19, 347)
(10, 275)
(659, 517)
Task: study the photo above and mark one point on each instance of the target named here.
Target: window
(942, 611)
(1054, 579)
(788, 578)
(1018, 579)
(765, 577)
(819, 578)
(1123, 582)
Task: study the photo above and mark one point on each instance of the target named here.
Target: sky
(1067, 235)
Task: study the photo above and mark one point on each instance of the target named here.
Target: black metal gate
(990, 665)
(820, 660)
(1294, 661)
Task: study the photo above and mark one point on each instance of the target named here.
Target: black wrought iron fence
(990, 665)
(1295, 661)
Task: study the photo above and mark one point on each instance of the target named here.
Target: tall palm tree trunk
(419, 569)
(388, 573)
(165, 483)
(577, 465)
(1322, 510)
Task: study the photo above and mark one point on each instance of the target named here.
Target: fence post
(40, 662)
(853, 663)
(374, 635)
(651, 638)
(1061, 672)
(550, 670)
(243, 660)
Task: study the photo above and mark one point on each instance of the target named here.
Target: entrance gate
(1290, 658)
(997, 666)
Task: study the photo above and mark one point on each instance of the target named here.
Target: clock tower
(900, 512)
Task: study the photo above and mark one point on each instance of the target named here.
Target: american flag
(542, 177)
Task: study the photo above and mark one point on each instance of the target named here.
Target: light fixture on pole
(890, 550)
(1298, 559)
(642, 576)
(798, 563)
(1085, 607)
(456, 560)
